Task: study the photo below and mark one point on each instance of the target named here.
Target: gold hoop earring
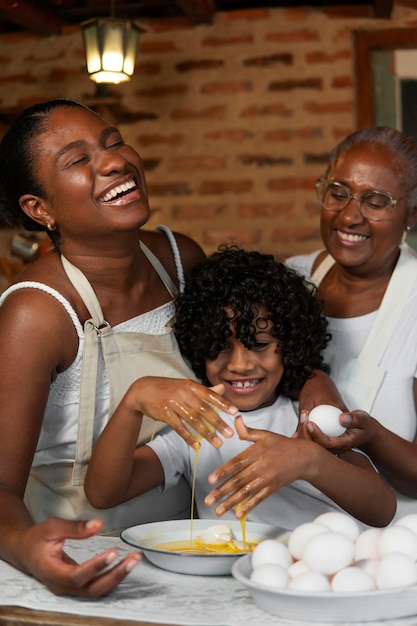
(50, 227)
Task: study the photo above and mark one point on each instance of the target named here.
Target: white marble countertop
(153, 595)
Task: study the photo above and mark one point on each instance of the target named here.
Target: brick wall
(234, 120)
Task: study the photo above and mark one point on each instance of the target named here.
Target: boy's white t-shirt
(287, 508)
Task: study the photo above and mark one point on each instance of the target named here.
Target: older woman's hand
(360, 429)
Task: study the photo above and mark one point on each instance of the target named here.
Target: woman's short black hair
(244, 281)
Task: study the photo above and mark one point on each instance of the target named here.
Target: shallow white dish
(145, 536)
(328, 607)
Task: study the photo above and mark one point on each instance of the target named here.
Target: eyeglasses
(374, 205)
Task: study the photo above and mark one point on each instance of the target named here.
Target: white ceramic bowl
(328, 607)
(145, 536)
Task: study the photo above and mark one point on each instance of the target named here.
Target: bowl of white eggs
(328, 570)
(199, 547)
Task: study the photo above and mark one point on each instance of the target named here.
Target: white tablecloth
(153, 595)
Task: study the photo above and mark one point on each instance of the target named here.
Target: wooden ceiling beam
(27, 15)
(199, 11)
(382, 8)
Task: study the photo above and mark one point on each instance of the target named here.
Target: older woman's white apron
(359, 379)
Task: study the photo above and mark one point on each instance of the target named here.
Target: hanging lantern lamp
(110, 49)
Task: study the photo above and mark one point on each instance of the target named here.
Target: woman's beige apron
(359, 379)
(57, 490)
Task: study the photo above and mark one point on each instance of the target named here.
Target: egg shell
(397, 539)
(328, 552)
(301, 534)
(271, 551)
(340, 523)
(309, 581)
(326, 417)
(396, 570)
(352, 579)
(409, 521)
(270, 575)
(366, 544)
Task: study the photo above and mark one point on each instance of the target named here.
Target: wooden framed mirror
(375, 52)
(386, 83)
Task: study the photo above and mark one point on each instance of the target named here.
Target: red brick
(211, 113)
(162, 91)
(239, 237)
(283, 58)
(263, 209)
(237, 134)
(296, 234)
(296, 83)
(296, 36)
(329, 107)
(225, 186)
(148, 139)
(249, 14)
(217, 42)
(198, 163)
(198, 211)
(228, 87)
(200, 64)
(340, 82)
(288, 134)
(255, 110)
(323, 57)
(291, 184)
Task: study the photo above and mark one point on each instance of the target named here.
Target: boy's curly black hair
(244, 281)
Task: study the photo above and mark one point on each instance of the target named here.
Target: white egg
(297, 568)
(396, 570)
(352, 579)
(369, 566)
(340, 523)
(328, 552)
(397, 539)
(309, 581)
(409, 521)
(270, 575)
(366, 544)
(271, 551)
(326, 417)
(301, 534)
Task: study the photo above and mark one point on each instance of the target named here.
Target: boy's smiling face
(250, 376)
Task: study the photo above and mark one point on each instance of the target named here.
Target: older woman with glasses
(366, 277)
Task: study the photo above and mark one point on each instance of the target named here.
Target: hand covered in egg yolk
(181, 404)
(272, 462)
(361, 429)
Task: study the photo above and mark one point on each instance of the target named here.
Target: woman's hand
(272, 462)
(360, 430)
(189, 407)
(46, 560)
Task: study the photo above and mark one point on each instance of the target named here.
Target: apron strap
(392, 305)
(97, 330)
(321, 271)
